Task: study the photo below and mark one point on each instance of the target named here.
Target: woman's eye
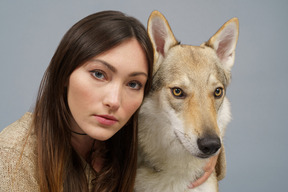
(177, 92)
(98, 74)
(218, 92)
(135, 85)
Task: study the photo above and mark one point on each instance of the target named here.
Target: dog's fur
(183, 119)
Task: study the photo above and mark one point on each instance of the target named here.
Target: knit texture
(18, 158)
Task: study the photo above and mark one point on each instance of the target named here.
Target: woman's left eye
(135, 85)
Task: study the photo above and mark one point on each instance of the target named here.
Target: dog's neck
(152, 167)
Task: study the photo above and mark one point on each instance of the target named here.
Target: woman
(82, 135)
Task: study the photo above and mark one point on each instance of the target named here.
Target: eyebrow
(113, 69)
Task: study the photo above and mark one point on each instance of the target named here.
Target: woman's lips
(106, 120)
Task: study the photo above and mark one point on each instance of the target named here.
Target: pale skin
(104, 93)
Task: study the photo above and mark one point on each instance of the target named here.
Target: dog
(183, 119)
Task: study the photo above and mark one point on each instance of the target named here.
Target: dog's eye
(218, 92)
(177, 92)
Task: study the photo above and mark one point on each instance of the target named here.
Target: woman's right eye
(98, 75)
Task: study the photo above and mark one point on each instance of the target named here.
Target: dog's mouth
(203, 156)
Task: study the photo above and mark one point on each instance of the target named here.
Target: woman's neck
(89, 149)
(83, 144)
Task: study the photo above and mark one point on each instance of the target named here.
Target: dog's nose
(209, 145)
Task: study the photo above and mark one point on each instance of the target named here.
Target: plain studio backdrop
(256, 139)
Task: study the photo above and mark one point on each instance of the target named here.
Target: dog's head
(192, 82)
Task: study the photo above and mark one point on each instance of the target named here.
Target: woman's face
(104, 92)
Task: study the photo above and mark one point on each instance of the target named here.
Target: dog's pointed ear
(224, 42)
(161, 36)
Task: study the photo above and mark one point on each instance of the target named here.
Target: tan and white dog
(183, 119)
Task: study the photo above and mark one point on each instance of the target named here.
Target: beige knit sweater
(18, 158)
(16, 173)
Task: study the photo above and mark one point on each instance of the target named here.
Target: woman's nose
(112, 99)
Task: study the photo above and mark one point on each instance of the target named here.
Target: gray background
(256, 140)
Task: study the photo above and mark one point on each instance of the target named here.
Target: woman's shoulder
(18, 138)
(16, 133)
(18, 156)
(23, 123)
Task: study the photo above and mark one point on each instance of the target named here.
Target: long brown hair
(59, 166)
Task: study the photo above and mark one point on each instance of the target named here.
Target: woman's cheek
(134, 104)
